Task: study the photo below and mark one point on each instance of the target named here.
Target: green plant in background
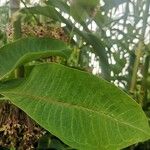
(82, 110)
(3, 21)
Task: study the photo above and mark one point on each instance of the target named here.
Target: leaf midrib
(75, 106)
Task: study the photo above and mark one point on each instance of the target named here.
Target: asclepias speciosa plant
(84, 111)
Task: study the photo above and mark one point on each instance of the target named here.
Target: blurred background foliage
(109, 39)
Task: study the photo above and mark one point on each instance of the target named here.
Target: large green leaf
(84, 111)
(27, 49)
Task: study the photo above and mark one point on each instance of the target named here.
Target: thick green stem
(14, 6)
(138, 53)
(140, 48)
(19, 72)
(17, 28)
(144, 87)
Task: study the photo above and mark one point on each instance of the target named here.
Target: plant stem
(139, 53)
(19, 72)
(140, 48)
(36, 19)
(144, 81)
(14, 6)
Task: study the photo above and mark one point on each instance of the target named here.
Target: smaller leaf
(28, 49)
(47, 11)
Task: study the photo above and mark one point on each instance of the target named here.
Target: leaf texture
(84, 111)
(28, 49)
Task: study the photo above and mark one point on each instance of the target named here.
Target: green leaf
(81, 9)
(28, 49)
(84, 111)
(47, 11)
(62, 5)
(99, 47)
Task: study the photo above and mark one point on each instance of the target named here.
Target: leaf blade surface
(28, 49)
(84, 111)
